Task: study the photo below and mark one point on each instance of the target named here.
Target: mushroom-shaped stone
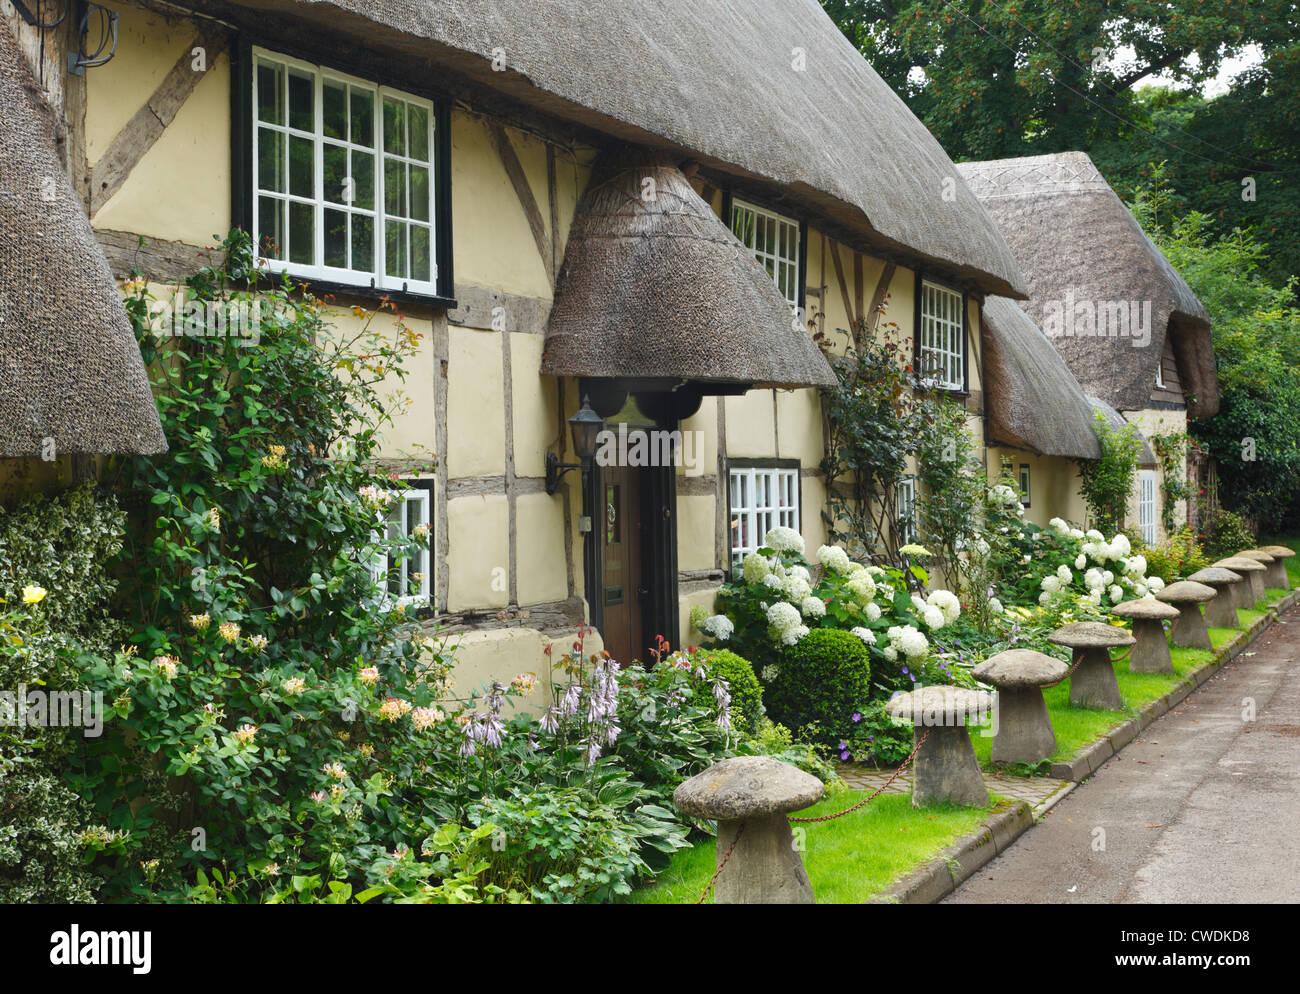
(1251, 588)
(945, 768)
(1093, 683)
(1023, 729)
(753, 793)
(1276, 575)
(1189, 629)
(1221, 611)
(1150, 652)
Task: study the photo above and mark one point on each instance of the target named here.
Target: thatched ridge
(70, 369)
(768, 91)
(1034, 401)
(1146, 455)
(661, 288)
(1076, 241)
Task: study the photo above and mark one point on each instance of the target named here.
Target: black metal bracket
(26, 14)
(555, 471)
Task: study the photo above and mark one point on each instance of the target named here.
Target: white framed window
(407, 579)
(343, 177)
(1024, 483)
(943, 337)
(1147, 505)
(774, 240)
(762, 498)
(906, 500)
(1160, 375)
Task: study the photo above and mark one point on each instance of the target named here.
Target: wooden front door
(622, 532)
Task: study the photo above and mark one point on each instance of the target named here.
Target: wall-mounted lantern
(586, 427)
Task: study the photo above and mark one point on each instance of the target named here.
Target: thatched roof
(661, 288)
(70, 369)
(1146, 456)
(718, 81)
(1076, 241)
(1034, 401)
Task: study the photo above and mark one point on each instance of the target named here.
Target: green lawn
(848, 860)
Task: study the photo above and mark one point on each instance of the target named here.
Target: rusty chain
(897, 773)
(721, 866)
(1079, 661)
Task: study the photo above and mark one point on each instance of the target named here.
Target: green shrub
(1176, 558)
(746, 692)
(1224, 533)
(823, 680)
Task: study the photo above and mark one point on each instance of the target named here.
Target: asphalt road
(1203, 808)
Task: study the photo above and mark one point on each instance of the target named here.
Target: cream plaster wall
(476, 431)
(478, 554)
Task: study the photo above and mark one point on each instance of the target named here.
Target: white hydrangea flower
(995, 605)
(1080, 561)
(1116, 592)
(1044, 597)
(1058, 524)
(1155, 585)
(890, 653)
(1140, 590)
(1076, 533)
(782, 539)
(1136, 566)
(1120, 545)
(933, 618)
(812, 607)
(862, 586)
(1108, 577)
(755, 568)
(769, 673)
(786, 623)
(947, 602)
(909, 641)
(796, 589)
(918, 602)
(1064, 575)
(866, 634)
(1051, 584)
(774, 581)
(1095, 536)
(834, 559)
(872, 611)
(719, 626)
(1093, 580)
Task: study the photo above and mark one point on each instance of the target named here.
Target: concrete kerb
(1092, 758)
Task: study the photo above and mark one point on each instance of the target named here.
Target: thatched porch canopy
(1078, 245)
(658, 287)
(766, 91)
(1146, 455)
(70, 369)
(1034, 401)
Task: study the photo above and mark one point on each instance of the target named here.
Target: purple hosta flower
(720, 692)
(550, 722)
(569, 705)
(491, 727)
(593, 749)
(724, 716)
(467, 742)
(532, 741)
(700, 674)
(495, 698)
(611, 734)
(857, 716)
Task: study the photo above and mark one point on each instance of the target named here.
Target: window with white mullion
(762, 498)
(1147, 505)
(406, 581)
(942, 358)
(774, 241)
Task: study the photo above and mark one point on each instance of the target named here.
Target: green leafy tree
(1105, 483)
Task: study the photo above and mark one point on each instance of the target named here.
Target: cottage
(640, 235)
(1127, 325)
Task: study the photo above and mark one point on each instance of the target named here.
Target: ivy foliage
(1105, 483)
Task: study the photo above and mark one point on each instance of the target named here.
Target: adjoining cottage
(647, 227)
(1128, 326)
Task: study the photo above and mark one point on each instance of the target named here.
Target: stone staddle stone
(1221, 612)
(754, 792)
(1259, 582)
(1093, 683)
(945, 768)
(1150, 652)
(1022, 729)
(1251, 588)
(1189, 630)
(1276, 573)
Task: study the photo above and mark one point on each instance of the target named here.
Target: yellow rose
(34, 594)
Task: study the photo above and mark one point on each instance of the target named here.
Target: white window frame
(905, 498)
(942, 351)
(775, 260)
(1147, 505)
(1024, 477)
(1160, 374)
(379, 564)
(317, 270)
(761, 498)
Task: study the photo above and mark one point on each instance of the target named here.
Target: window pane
(421, 268)
(337, 188)
(419, 123)
(302, 167)
(334, 109)
(419, 193)
(363, 243)
(270, 227)
(302, 233)
(302, 113)
(336, 239)
(363, 118)
(270, 160)
(363, 180)
(395, 187)
(395, 249)
(394, 127)
(270, 93)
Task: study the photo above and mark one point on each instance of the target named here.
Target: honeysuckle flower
(420, 532)
(200, 622)
(213, 519)
(524, 683)
(295, 685)
(34, 594)
(369, 675)
(228, 630)
(393, 709)
(335, 771)
(166, 665)
(245, 734)
(337, 791)
(374, 498)
(318, 796)
(258, 643)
